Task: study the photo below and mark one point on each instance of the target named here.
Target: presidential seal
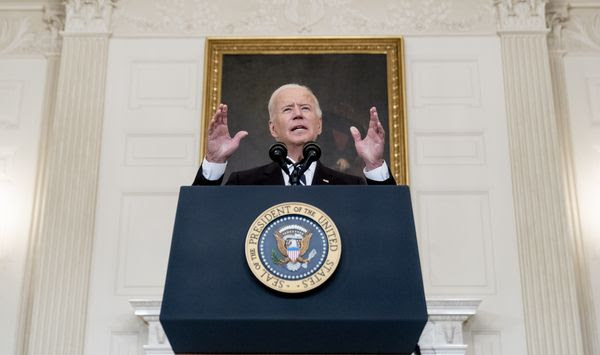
(293, 247)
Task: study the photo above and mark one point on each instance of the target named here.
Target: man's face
(295, 121)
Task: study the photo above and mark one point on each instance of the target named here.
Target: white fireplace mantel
(443, 333)
(149, 311)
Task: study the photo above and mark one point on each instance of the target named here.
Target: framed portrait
(348, 75)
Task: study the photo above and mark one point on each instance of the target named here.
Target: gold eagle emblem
(287, 248)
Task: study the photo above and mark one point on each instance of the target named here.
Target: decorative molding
(521, 16)
(149, 311)
(54, 19)
(141, 271)
(264, 17)
(160, 149)
(574, 27)
(449, 148)
(463, 73)
(417, 17)
(31, 32)
(469, 269)
(164, 83)
(458, 309)
(556, 17)
(18, 6)
(17, 35)
(582, 31)
(88, 16)
(443, 333)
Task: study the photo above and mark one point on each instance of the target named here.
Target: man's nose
(297, 112)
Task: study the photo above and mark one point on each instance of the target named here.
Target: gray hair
(271, 105)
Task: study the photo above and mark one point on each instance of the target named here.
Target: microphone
(311, 152)
(278, 153)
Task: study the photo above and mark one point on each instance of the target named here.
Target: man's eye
(305, 108)
(287, 109)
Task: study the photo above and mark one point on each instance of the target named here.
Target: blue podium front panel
(373, 303)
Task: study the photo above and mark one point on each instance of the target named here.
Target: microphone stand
(296, 174)
(311, 153)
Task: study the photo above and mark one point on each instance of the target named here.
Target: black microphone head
(311, 151)
(278, 152)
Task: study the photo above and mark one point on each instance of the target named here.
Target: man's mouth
(295, 128)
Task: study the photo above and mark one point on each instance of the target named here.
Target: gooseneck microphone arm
(311, 153)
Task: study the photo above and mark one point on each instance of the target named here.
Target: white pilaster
(54, 310)
(559, 17)
(545, 240)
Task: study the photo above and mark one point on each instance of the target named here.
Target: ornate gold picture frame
(347, 74)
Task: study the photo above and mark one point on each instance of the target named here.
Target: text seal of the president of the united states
(293, 247)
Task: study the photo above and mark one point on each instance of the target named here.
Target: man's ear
(272, 130)
(320, 125)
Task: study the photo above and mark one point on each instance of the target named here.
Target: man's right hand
(220, 145)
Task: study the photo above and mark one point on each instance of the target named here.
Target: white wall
(22, 82)
(149, 149)
(582, 74)
(461, 184)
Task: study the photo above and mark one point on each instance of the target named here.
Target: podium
(372, 303)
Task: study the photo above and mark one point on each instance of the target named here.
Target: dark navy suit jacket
(271, 174)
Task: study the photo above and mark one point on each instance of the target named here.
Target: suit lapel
(322, 177)
(272, 175)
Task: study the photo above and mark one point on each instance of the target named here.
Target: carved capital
(88, 16)
(54, 19)
(521, 16)
(557, 16)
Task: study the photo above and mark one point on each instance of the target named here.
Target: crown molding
(295, 17)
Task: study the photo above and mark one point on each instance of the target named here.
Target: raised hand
(370, 149)
(220, 145)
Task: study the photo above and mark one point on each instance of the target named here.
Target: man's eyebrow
(299, 104)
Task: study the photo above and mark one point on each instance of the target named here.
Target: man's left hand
(370, 149)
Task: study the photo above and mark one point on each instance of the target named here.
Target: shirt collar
(308, 174)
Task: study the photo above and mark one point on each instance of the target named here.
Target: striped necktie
(291, 168)
(303, 180)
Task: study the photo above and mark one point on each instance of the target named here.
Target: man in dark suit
(295, 118)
